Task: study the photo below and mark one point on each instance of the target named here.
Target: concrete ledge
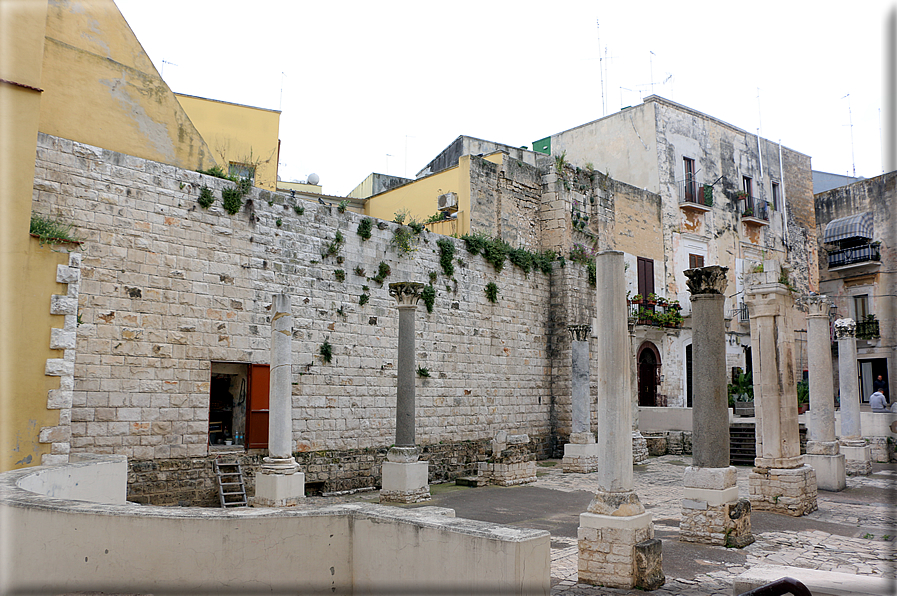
(57, 545)
(820, 583)
(628, 522)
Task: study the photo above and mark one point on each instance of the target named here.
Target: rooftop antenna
(164, 62)
(282, 75)
(651, 63)
(759, 116)
(388, 155)
(600, 69)
(850, 120)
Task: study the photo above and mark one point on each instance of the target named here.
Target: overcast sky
(385, 86)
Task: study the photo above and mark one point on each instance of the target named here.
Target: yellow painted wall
(299, 187)
(238, 133)
(419, 197)
(102, 89)
(28, 271)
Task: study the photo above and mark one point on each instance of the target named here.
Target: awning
(852, 226)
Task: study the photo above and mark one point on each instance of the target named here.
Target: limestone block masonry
(167, 288)
(790, 491)
(608, 551)
(59, 436)
(511, 462)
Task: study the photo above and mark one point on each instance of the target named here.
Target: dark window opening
(695, 261)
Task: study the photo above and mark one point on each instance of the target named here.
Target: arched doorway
(648, 363)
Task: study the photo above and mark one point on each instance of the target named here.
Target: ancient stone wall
(168, 287)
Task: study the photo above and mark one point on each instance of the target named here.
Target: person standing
(879, 384)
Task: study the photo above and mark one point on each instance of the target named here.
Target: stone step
(471, 481)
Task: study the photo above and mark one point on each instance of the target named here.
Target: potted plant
(674, 305)
(803, 397)
(645, 316)
(637, 299)
(661, 301)
(741, 394)
(651, 299)
(741, 195)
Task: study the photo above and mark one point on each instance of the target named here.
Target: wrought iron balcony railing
(697, 194)
(754, 207)
(853, 255)
(867, 329)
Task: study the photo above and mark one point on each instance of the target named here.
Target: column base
(619, 552)
(789, 491)
(405, 482)
(278, 490)
(712, 513)
(580, 458)
(830, 471)
(857, 458)
(639, 448)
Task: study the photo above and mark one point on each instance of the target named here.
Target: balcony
(655, 313)
(855, 255)
(694, 196)
(753, 210)
(868, 328)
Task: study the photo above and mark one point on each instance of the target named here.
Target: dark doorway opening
(688, 387)
(648, 374)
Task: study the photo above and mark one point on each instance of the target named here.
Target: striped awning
(852, 226)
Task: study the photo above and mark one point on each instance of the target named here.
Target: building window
(241, 170)
(690, 184)
(747, 185)
(695, 261)
(238, 404)
(861, 306)
(775, 196)
(645, 276)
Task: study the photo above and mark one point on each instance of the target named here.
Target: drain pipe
(784, 202)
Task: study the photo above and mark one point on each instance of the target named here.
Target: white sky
(385, 86)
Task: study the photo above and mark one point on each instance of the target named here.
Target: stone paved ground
(658, 484)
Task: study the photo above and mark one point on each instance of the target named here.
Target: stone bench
(820, 583)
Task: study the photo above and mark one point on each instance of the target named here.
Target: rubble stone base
(790, 491)
(580, 459)
(613, 551)
(724, 524)
(405, 482)
(857, 459)
(278, 490)
(639, 448)
(506, 474)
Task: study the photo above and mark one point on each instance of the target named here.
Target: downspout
(784, 203)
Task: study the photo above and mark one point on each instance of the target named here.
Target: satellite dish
(313, 179)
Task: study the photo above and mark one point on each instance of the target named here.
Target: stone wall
(168, 287)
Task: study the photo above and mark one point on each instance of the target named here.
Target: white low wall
(50, 545)
(663, 419)
(873, 424)
(87, 477)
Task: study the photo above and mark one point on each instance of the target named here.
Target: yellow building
(243, 139)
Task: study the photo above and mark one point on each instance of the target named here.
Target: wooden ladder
(231, 490)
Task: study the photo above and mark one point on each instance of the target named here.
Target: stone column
(823, 453)
(712, 513)
(405, 479)
(581, 453)
(279, 482)
(781, 481)
(858, 455)
(616, 535)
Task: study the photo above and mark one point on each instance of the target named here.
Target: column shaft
(822, 400)
(849, 387)
(405, 406)
(710, 416)
(580, 381)
(280, 407)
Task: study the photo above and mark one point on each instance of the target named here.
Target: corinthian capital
(580, 332)
(707, 280)
(818, 305)
(406, 293)
(845, 328)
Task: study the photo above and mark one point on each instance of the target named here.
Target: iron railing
(855, 254)
(692, 192)
(754, 207)
(867, 329)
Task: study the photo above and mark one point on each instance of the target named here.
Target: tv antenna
(601, 69)
(282, 75)
(651, 66)
(850, 120)
(164, 62)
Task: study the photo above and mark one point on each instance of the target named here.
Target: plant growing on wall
(428, 295)
(491, 292)
(326, 351)
(415, 225)
(341, 207)
(359, 271)
(340, 275)
(51, 231)
(363, 299)
(404, 240)
(231, 200)
(401, 216)
(206, 198)
(335, 246)
(423, 372)
(364, 228)
(383, 272)
(299, 209)
(278, 222)
(446, 253)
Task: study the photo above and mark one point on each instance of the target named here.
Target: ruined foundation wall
(169, 287)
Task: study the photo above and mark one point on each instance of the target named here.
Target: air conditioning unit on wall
(447, 202)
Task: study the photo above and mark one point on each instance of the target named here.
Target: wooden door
(257, 407)
(645, 276)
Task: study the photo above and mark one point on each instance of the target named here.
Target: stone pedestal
(781, 482)
(712, 513)
(279, 482)
(581, 454)
(823, 453)
(404, 478)
(511, 462)
(791, 491)
(616, 536)
(858, 456)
